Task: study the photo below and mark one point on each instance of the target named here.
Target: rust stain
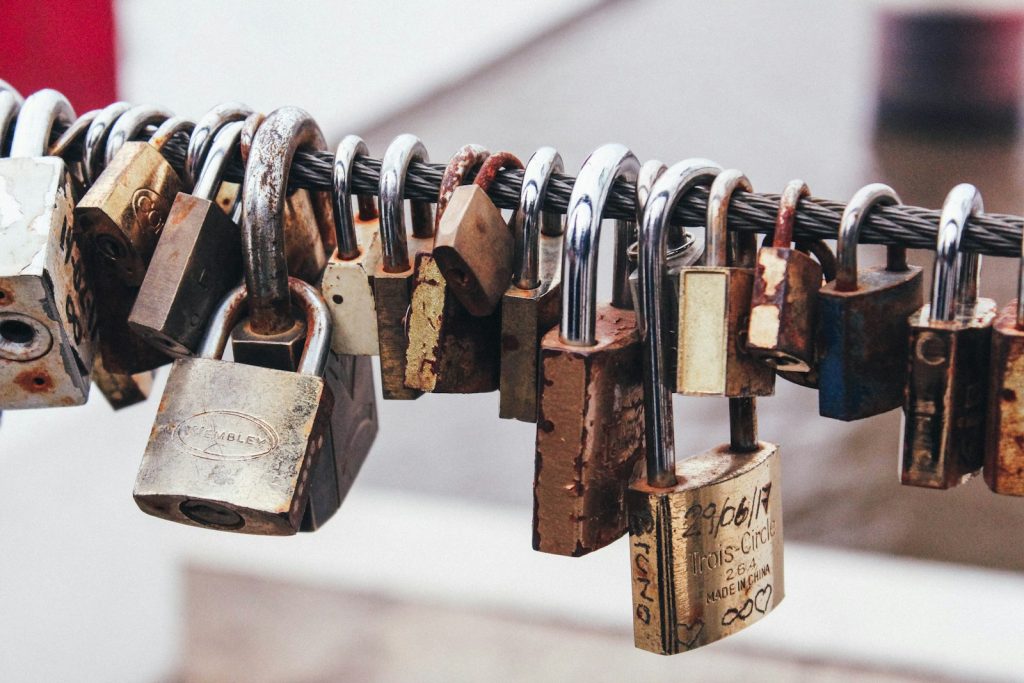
(35, 381)
(6, 296)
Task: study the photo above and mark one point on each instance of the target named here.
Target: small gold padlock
(1004, 445)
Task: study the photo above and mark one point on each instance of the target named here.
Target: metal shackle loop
(218, 154)
(794, 191)
(94, 152)
(8, 88)
(349, 148)
(531, 219)
(131, 124)
(860, 205)
(494, 164)
(394, 167)
(716, 233)
(168, 129)
(72, 134)
(468, 160)
(955, 278)
(265, 192)
(670, 188)
(9, 108)
(599, 172)
(38, 115)
(201, 140)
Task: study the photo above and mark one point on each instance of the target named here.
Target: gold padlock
(705, 535)
(532, 304)
(714, 310)
(945, 401)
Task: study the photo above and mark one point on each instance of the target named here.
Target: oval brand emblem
(226, 435)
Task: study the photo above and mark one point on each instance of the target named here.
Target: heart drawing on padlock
(763, 598)
(687, 634)
(732, 614)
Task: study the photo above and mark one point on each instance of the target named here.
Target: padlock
(125, 210)
(714, 310)
(271, 336)
(47, 309)
(393, 278)
(121, 391)
(947, 383)
(862, 321)
(347, 283)
(786, 284)
(705, 535)
(233, 445)
(1004, 445)
(473, 246)
(532, 304)
(590, 421)
(197, 260)
(450, 350)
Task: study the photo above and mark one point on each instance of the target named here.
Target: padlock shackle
(131, 124)
(94, 151)
(956, 274)
(465, 162)
(494, 164)
(394, 168)
(218, 154)
(350, 147)
(531, 220)
(231, 310)
(9, 108)
(599, 172)
(789, 200)
(168, 129)
(669, 189)
(40, 111)
(206, 129)
(859, 206)
(71, 135)
(8, 88)
(716, 233)
(743, 424)
(264, 196)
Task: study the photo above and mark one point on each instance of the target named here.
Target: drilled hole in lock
(17, 332)
(110, 247)
(39, 381)
(337, 299)
(457, 276)
(209, 514)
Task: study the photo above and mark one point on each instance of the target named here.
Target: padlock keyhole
(17, 332)
(110, 247)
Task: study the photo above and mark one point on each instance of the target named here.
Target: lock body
(124, 212)
(862, 369)
(121, 391)
(47, 323)
(526, 315)
(124, 352)
(474, 248)
(347, 286)
(450, 350)
(944, 408)
(782, 309)
(706, 556)
(589, 436)
(1004, 448)
(714, 308)
(303, 248)
(197, 260)
(225, 455)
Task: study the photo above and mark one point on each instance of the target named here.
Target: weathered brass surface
(782, 309)
(347, 286)
(1004, 447)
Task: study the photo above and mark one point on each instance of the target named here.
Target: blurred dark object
(947, 71)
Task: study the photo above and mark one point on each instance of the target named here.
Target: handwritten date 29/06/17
(712, 518)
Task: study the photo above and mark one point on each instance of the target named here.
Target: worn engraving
(226, 435)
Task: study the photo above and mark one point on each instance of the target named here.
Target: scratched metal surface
(788, 95)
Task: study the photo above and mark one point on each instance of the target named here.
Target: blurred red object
(64, 44)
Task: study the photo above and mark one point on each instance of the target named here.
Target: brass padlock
(705, 535)
(271, 336)
(393, 278)
(47, 309)
(473, 246)
(714, 310)
(532, 304)
(233, 445)
(944, 408)
(197, 260)
(347, 283)
(862, 321)
(125, 210)
(450, 350)
(590, 423)
(1004, 445)
(786, 284)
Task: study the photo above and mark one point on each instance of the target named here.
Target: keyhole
(17, 332)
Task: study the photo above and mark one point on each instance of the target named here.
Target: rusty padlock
(945, 402)
(233, 445)
(532, 304)
(714, 310)
(590, 424)
(473, 245)
(862, 321)
(393, 278)
(450, 350)
(47, 309)
(347, 283)
(196, 262)
(786, 283)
